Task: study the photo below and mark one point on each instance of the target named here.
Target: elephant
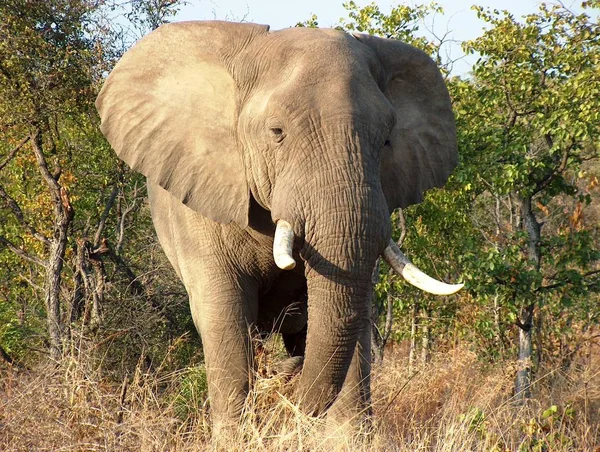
(273, 161)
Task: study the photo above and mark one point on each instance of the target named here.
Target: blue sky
(459, 20)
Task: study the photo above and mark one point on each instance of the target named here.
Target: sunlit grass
(454, 403)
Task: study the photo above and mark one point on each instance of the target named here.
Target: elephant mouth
(282, 253)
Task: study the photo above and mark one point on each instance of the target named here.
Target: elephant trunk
(341, 244)
(337, 317)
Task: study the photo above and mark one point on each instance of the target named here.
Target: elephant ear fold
(422, 149)
(169, 111)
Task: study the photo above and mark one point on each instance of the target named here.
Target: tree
(46, 73)
(529, 128)
(65, 201)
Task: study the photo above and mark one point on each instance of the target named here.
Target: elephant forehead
(320, 50)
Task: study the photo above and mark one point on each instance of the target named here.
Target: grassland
(454, 403)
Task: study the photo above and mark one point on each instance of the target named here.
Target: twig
(122, 398)
(402, 224)
(563, 283)
(559, 169)
(397, 393)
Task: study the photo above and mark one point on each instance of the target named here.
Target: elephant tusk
(282, 245)
(400, 263)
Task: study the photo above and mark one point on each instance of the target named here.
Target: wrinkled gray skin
(235, 128)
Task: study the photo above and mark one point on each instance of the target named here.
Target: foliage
(192, 394)
(150, 14)
(402, 22)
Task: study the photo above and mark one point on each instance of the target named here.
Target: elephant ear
(169, 111)
(422, 149)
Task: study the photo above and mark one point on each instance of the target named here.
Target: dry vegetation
(456, 403)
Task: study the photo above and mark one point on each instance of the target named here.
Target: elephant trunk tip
(413, 275)
(282, 246)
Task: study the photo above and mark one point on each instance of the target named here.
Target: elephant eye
(278, 134)
(387, 143)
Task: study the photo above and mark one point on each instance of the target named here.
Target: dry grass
(453, 404)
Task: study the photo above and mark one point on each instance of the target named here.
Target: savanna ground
(454, 403)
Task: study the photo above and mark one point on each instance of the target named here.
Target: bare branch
(21, 253)
(121, 222)
(559, 169)
(402, 224)
(12, 153)
(107, 207)
(36, 140)
(60, 198)
(18, 213)
(564, 283)
(389, 319)
(58, 193)
(36, 287)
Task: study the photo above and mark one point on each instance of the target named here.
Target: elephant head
(327, 131)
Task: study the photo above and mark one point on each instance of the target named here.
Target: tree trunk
(376, 337)
(52, 298)
(91, 275)
(498, 333)
(98, 292)
(425, 336)
(412, 354)
(523, 380)
(525, 322)
(63, 215)
(539, 343)
(79, 290)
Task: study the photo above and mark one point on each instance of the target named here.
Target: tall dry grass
(455, 403)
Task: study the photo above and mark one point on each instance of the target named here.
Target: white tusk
(400, 263)
(283, 244)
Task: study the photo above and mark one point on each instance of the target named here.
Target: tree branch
(562, 165)
(12, 153)
(402, 224)
(20, 252)
(122, 219)
(565, 282)
(102, 222)
(12, 205)
(59, 195)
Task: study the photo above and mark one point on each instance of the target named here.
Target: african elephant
(274, 160)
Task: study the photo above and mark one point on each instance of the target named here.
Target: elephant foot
(289, 367)
(224, 434)
(354, 430)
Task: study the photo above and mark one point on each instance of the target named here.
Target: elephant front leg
(223, 317)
